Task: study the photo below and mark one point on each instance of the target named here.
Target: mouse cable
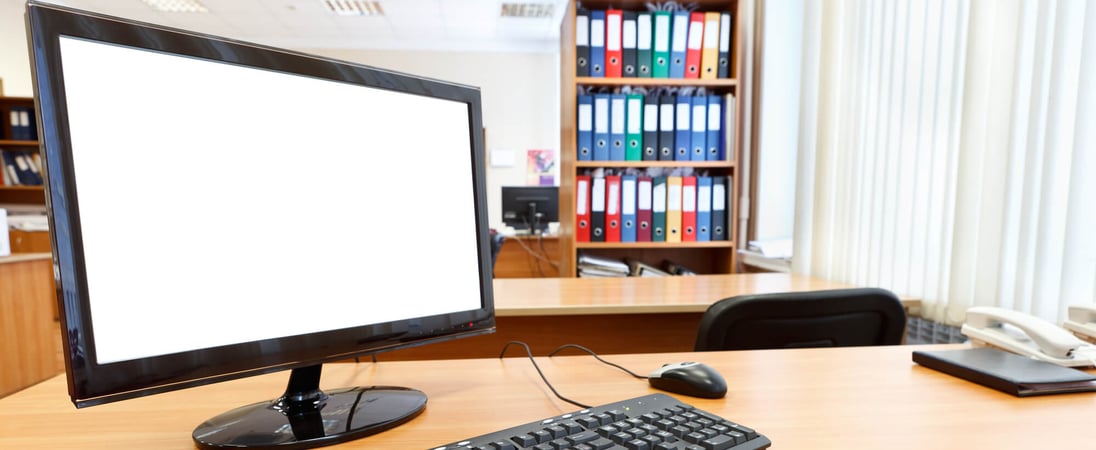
(591, 352)
(542, 377)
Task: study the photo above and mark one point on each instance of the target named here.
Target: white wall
(519, 92)
(14, 59)
(520, 96)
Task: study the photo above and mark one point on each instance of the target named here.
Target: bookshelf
(33, 195)
(704, 257)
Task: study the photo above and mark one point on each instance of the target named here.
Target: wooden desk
(528, 257)
(819, 399)
(29, 339)
(610, 315)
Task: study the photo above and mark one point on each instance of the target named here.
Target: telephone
(1026, 335)
(1082, 322)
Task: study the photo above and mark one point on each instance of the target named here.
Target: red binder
(695, 43)
(688, 209)
(582, 208)
(643, 209)
(612, 208)
(614, 52)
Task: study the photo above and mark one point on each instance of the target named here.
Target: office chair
(832, 318)
(496, 245)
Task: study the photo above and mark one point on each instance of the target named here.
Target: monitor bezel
(91, 383)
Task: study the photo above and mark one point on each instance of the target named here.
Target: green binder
(633, 131)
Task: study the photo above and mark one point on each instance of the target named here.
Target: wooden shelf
(10, 143)
(31, 195)
(712, 257)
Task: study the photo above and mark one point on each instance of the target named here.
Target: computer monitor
(530, 207)
(221, 209)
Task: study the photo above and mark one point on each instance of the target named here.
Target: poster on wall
(540, 168)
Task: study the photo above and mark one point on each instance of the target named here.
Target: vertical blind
(947, 151)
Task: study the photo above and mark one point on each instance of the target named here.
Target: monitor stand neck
(305, 416)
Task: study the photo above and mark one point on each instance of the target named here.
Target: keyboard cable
(591, 352)
(542, 377)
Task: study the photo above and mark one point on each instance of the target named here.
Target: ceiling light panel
(177, 6)
(528, 10)
(353, 7)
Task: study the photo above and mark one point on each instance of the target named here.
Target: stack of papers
(640, 269)
(597, 267)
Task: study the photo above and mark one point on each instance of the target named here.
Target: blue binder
(585, 127)
(699, 136)
(679, 43)
(597, 44)
(703, 208)
(715, 127)
(627, 208)
(682, 127)
(618, 114)
(601, 127)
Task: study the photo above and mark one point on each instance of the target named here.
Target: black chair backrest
(832, 318)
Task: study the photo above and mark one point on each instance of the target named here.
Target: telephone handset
(1082, 321)
(1042, 340)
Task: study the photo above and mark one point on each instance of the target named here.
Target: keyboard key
(583, 437)
(502, 445)
(637, 444)
(721, 442)
(524, 440)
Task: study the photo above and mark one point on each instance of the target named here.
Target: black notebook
(1017, 375)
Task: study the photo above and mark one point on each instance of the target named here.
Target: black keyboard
(652, 422)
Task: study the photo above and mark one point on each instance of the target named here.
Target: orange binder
(582, 208)
(695, 43)
(688, 209)
(673, 209)
(612, 208)
(614, 53)
(709, 52)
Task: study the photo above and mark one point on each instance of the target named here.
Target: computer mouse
(689, 378)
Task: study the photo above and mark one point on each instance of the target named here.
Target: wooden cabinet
(10, 193)
(710, 257)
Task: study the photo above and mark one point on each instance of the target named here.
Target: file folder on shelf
(682, 127)
(612, 208)
(614, 54)
(728, 136)
(643, 209)
(658, 209)
(714, 139)
(660, 56)
(585, 127)
(650, 127)
(720, 195)
(582, 43)
(597, 209)
(699, 136)
(627, 208)
(703, 208)
(582, 208)
(694, 42)
(628, 43)
(597, 43)
(666, 124)
(617, 119)
(601, 127)
(709, 51)
(633, 130)
(688, 209)
(679, 43)
(644, 36)
(673, 209)
(726, 33)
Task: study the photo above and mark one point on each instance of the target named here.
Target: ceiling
(438, 25)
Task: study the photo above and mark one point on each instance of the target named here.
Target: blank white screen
(221, 204)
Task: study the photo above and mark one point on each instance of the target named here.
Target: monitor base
(309, 418)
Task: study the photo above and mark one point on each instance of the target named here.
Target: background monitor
(530, 207)
(221, 209)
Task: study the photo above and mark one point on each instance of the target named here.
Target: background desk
(817, 399)
(610, 315)
(528, 257)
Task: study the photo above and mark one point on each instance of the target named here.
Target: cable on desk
(542, 377)
(591, 352)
